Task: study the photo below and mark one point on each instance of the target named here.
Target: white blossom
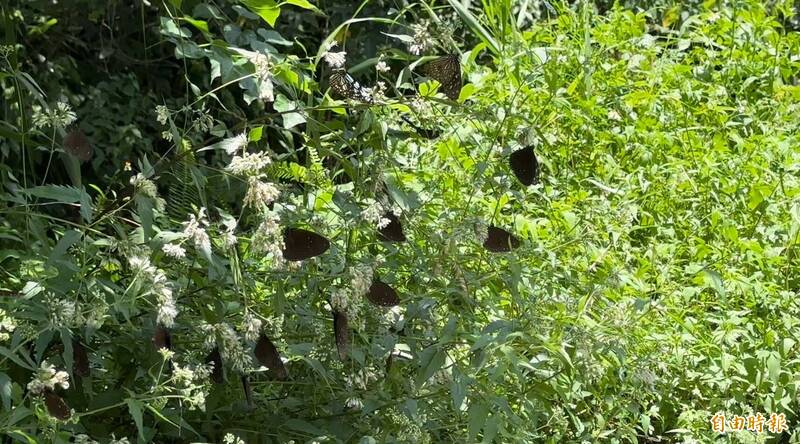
(173, 250)
(382, 66)
(251, 326)
(234, 144)
(422, 39)
(194, 229)
(260, 193)
(268, 239)
(335, 59)
(230, 438)
(60, 116)
(162, 114)
(248, 164)
(47, 378)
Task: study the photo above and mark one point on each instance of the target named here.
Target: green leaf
(266, 9)
(305, 4)
(59, 193)
(431, 360)
(202, 25)
(477, 419)
(472, 22)
(135, 409)
(5, 391)
(284, 105)
(255, 133)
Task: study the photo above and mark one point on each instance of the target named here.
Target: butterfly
(248, 391)
(393, 232)
(77, 144)
(299, 244)
(499, 240)
(447, 71)
(346, 87)
(162, 338)
(382, 294)
(340, 333)
(216, 359)
(268, 356)
(80, 359)
(56, 406)
(525, 166)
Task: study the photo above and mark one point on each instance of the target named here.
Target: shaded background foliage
(657, 283)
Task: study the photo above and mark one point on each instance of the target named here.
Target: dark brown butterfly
(302, 244)
(382, 294)
(162, 338)
(425, 133)
(216, 359)
(341, 334)
(267, 354)
(80, 359)
(77, 144)
(447, 71)
(393, 231)
(499, 240)
(346, 87)
(248, 391)
(56, 406)
(525, 166)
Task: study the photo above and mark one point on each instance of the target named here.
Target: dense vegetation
(398, 221)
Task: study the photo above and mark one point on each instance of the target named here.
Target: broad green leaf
(477, 419)
(268, 10)
(135, 410)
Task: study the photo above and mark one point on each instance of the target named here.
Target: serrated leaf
(135, 409)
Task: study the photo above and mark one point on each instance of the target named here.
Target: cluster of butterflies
(301, 244)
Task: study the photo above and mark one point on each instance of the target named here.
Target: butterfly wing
(77, 144)
(56, 406)
(80, 359)
(340, 334)
(499, 240)
(346, 87)
(162, 338)
(393, 232)
(215, 359)
(382, 294)
(447, 71)
(525, 166)
(302, 244)
(267, 354)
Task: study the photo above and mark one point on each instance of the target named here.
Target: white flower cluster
(248, 164)
(47, 378)
(263, 76)
(230, 347)
(190, 382)
(159, 287)
(162, 114)
(7, 326)
(61, 116)
(234, 144)
(174, 251)
(63, 312)
(148, 188)
(205, 122)
(229, 239)
(268, 238)
(382, 66)
(251, 326)
(230, 438)
(335, 60)
(84, 439)
(123, 440)
(194, 229)
(361, 378)
(260, 193)
(374, 214)
(422, 39)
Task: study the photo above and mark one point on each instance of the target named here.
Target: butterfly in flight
(346, 87)
(447, 71)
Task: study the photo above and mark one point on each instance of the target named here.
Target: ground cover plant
(399, 221)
